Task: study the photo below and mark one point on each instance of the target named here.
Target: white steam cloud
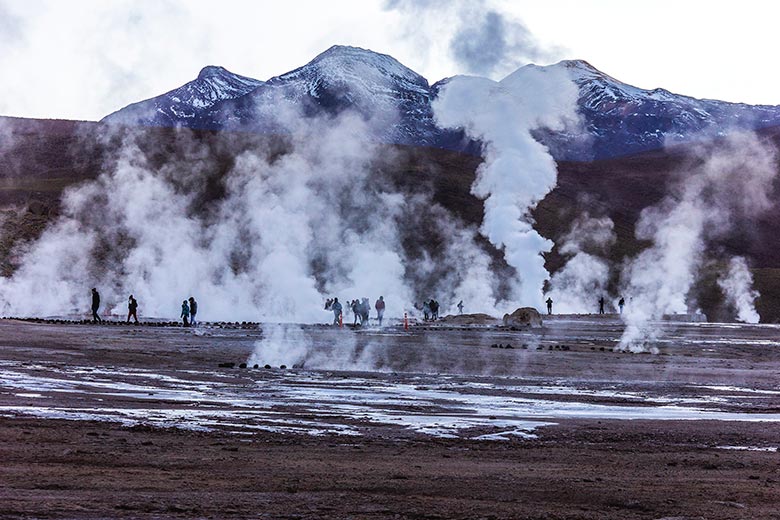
(518, 171)
(577, 287)
(482, 38)
(725, 183)
(737, 286)
(289, 229)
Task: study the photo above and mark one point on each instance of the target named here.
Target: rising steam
(726, 183)
(518, 171)
(737, 286)
(269, 239)
(577, 286)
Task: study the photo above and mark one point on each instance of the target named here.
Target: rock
(468, 319)
(242, 365)
(523, 317)
(227, 365)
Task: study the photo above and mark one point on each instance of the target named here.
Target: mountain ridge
(618, 119)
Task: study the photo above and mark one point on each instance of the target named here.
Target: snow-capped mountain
(618, 119)
(186, 105)
(394, 100)
(621, 119)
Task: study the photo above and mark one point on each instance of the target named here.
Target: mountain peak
(344, 61)
(577, 65)
(350, 52)
(210, 71)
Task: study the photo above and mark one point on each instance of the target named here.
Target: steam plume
(482, 39)
(727, 182)
(737, 286)
(285, 229)
(576, 288)
(518, 171)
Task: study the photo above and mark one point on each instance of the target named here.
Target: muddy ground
(138, 422)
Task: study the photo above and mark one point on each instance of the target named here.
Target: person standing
(380, 309)
(365, 309)
(336, 308)
(355, 311)
(460, 307)
(621, 304)
(549, 306)
(185, 313)
(193, 311)
(601, 305)
(132, 308)
(95, 306)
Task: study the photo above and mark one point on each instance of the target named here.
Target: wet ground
(434, 422)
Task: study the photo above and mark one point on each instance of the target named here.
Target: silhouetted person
(601, 305)
(132, 308)
(336, 308)
(460, 307)
(355, 311)
(380, 309)
(185, 313)
(621, 304)
(328, 303)
(193, 310)
(549, 306)
(434, 309)
(365, 308)
(426, 311)
(95, 305)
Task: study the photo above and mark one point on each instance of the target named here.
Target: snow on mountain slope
(620, 119)
(617, 119)
(391, 98)
(185, 105)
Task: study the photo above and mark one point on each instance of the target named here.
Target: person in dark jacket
(335, 306)
(365, 308)
(132, 308)
(95, 305)
(185, 313)
(380, 309)
(549, 303)
(193, 311)
(355, 311)
(601, 305)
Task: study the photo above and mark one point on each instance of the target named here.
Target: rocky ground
(437, 422)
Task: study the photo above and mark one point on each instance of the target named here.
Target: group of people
(621, 304)
(189, 309)
(430, 309)
(602, 302)
(360, 309)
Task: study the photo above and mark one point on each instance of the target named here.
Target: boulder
(523, 317)
(469, 319)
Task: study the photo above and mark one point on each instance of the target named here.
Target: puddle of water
(319, 403)
(748, 448)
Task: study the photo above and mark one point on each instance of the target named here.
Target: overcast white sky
(82, 59)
